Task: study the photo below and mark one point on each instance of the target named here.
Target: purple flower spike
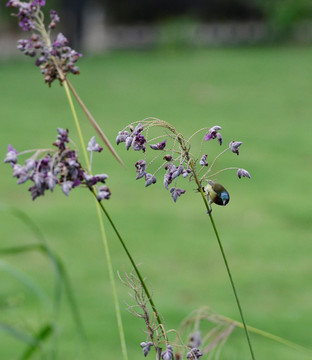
(234, 146)
(149, 180)
(146, 347)
(94, 146)
(213, 133)
(176, 192)
(243, 173)
(203, 160)
(11, 155)
(159, 146)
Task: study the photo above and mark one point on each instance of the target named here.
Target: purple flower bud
(128, 142)
(212, 133)
(167, 180)
(122, 137)
(219, 137)
(138, 143)
(177, 171)
(149, 180)
(146, 347)
(243, 173)
(195, 339)
(168, 157)
(159, 146)
(30, 164)
(60, 41)
(168, 353)
(11, 155)
(103, 193)
(203, 160)
(234, 146)
(18, 170)
(140, 169)
(194, 354)
(93, 146)
(186, 173)
(138, 128)
(51, 180)
(67, 186)
(176, 192)
(22, 178)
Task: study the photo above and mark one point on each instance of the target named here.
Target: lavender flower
(93, 145)
(11, 155)
(60, 167)
(146, 347)
(234, 146)
(140, 168)
(168, 353)
(180, 163)
(176, 192)
(203, 160)
(159, 146)
(213, 133)
(243, 173)
(194, 354)
(149, 180)
(55, 58)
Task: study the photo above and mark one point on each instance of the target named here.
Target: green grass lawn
(261, 96)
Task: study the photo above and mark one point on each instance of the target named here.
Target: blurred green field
(261, 96)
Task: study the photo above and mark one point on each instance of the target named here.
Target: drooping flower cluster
(48, 168)
(178, 161)
(55, 58)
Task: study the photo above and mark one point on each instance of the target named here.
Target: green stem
(230, 276)
(131, 259)
(103, 234)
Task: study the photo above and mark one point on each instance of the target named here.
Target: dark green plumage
(216, 193)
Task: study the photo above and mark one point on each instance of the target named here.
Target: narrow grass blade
(18, 334)
(41, 336)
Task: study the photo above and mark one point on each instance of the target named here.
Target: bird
(216, 193)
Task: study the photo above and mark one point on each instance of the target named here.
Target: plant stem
(103, 234)
(131, 259)
(230, 276)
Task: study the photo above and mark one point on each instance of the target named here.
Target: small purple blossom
(234, 146)
(54, 19)
(243, 173)
(122, 137)
(62, 167)
(176, 192)
(194, 354)
(159, 146)
(56, 60)
(103, 193)
(140, 168)
(149, 180)
(203, 160)
(168, 353)
(213, 133)
(168, 157)
(93, 145)
(146, 347)
(11, 155)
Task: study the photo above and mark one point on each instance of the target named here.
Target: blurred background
(243, 65)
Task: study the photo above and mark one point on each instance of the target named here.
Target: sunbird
(216, 193)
